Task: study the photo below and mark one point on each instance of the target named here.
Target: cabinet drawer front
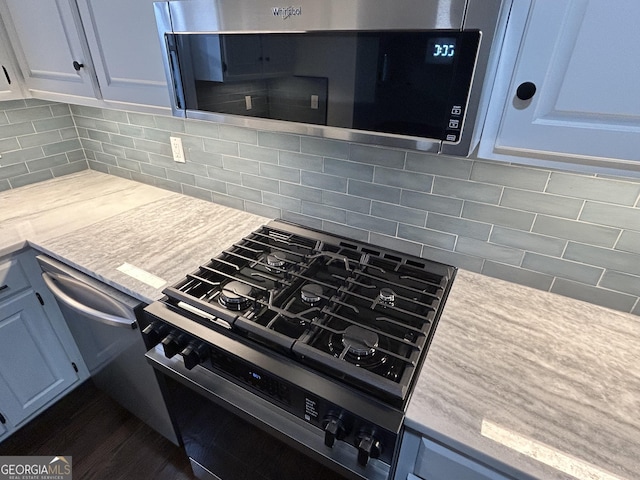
(12, 278)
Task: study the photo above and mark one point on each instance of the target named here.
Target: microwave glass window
(405, 83)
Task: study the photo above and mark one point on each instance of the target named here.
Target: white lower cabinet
(38, 360)
(422, 458)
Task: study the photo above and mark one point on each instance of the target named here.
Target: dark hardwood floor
(105, 440)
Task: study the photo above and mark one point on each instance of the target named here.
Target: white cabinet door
(124, 44)
(582, 58)
(33, 363)
(47, 38)
(10, 79)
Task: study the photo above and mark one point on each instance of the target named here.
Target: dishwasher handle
(50, 279)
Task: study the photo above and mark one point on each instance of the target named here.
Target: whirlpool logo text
(287, 12)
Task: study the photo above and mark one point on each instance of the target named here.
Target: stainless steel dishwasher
(103, 323)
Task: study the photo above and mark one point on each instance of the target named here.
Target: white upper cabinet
(10, 79)
(124, 43)
(573, 94)
(47, 39)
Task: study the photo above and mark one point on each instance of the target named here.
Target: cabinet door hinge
(75, 367)
(39, 298)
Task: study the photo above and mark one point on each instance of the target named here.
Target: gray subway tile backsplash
(573, 234)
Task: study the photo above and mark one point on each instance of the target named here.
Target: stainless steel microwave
(412, 74)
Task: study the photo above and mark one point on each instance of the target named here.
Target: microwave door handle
(174, 67)
(50, 280)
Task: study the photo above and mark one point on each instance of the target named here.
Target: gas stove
(354, 320)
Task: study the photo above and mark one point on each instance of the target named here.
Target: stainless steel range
(304, 339)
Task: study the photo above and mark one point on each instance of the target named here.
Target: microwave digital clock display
(441, 50)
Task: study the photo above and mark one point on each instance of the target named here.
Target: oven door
(230, 433)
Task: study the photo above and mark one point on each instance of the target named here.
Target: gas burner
(387, 296)
(359, 346)
(276, 261)
(311, 293)
(234, 296)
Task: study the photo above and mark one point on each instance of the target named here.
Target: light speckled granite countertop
(545, 374)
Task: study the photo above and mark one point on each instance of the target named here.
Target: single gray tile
(621, 282)
(98, 167)
(211, 184)
(168, 185)
(193, 168)
(131, 130)
(213, 159)
(120, 172)
(431, 203)
(156, 134)
(106, 126)
(228, 201)
(458, 226)
(407, 215)
(603, 257)
(3, 121)
(402, 179)
(82, 132)
(244, 193)
(72, 167)
(30, 178)
(60, 110)
(53, 123)
(137, 155)
(488, 251)
(12, 104)
(260, 154)
(60, 147)
(629, 242)
(527, 241)
(373, 191)
(91, 144)
(281, 202)
(201, 128)
(260, 183)
(9, 144)
(128, 164)
(281, 141)
(153, 147)
(324, 147)
(300, 192)
(372, 224)
(223, 175)
(542, 203)
(141, 119)
(76, 155)
(13, 170)
(468, 262)
(122, 141)
(162, 161)
(69, 133)
(506, 217)
(426, 236)
(574, 230)
(190, 143)
(15, 130)
(286, 174)
(28, 114)
(562, 268)
(85, 122)
(47, 162)
(304, 220)
(113, 149)
(170, 124)
(345, 231)
(510, 176)
(39, 139)
(480, 192)
(90, 154)
(591, 188)
(241, 165)
(221, 146)
(346, 169)
(37, 102)
(441, 166)
(99, 136)
(347, 202)
(153, 170)
(615, 216)
(325, 212)
(4, 185)
(115, 115)
(517, 275)
(384, 157)
(238, 134)
(85, 111)
(599, 296)
(18, 156)
(196, 192)
(300, 160)
(262, 210)
(108, 159)
(143, 178)
(396, 244)
(323, 181)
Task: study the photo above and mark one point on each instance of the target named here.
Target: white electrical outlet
(314, 102)
(248, 102)
(176, 148)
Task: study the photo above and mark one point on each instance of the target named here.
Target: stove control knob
(154, 332)
(194, 354)
(368, 447)
(173, 343)
(333, 430)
